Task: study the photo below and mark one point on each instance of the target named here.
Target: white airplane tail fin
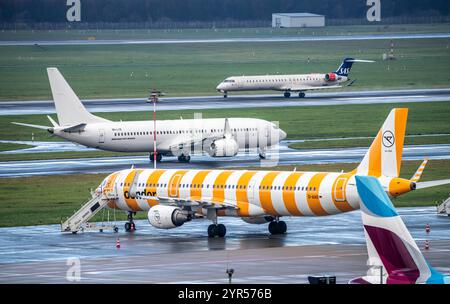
(69, 108)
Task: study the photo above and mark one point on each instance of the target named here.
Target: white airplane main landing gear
(184, 158)
(158, 157)
(301, 95)
(287, 94)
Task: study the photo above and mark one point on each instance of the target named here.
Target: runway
(227, 40)
(333, 245)
(235, 101)
(281, 156)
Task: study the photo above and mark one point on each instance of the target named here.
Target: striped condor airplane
(173, 197)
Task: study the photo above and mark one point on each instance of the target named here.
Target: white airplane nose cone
(219, 87)
(283, 135)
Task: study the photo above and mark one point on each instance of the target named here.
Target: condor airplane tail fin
(393, 253)
(384, 156)
(69, 108)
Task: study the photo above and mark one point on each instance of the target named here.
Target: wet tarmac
(333, 245)
(281, 156)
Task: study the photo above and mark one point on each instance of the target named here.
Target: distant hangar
(297, 20)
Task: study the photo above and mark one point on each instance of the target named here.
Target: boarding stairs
(444, 207)
(88, 210)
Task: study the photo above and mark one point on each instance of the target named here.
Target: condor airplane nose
(283, 134)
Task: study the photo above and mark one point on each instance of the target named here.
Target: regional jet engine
(330, 77)
(225, 147)
(167, 217)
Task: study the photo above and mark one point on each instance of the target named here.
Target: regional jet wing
(308, 88)
(181, 202)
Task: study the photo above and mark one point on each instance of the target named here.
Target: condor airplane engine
(330, 77)
(223, 148)
(167, 217)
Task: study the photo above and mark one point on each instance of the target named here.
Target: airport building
(297, 20)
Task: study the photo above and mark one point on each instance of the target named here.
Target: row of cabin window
(278, 80)
(180, 132)
(291, 188)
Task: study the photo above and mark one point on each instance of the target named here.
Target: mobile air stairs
(78, 221)
(444, 207)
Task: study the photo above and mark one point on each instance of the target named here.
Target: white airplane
(219, 137)
(297, 83)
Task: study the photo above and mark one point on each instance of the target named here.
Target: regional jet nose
(220, 86)
(283, 134)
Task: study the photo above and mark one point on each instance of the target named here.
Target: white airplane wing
(308, 88)
(181, 142)
(181, 202)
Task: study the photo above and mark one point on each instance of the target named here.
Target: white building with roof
(297, 20)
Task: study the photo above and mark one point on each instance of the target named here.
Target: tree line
(135, 11)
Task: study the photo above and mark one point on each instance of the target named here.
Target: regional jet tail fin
(69, 108)
(384, 156)
(346, 65)
(389, 243)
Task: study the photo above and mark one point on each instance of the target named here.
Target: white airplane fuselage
(292, 83)
(137, 136)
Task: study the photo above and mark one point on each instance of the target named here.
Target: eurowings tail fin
(384, 156)
(389, 243)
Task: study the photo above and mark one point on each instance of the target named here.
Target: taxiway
(235, 101)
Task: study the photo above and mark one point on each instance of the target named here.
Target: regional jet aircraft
(298, 83)
(173, 197)
(393, 254)
(219, 137)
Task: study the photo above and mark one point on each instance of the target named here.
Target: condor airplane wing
(181, 202)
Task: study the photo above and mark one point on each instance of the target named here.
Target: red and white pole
(154, 132)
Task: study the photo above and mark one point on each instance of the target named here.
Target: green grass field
(218, 33)
(365, 142)
(48, 199)
(196, 69)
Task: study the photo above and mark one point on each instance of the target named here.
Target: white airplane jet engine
(330, 77)
(225, 147)
(167, 217)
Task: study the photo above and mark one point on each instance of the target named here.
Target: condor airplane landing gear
(301, 95)
(130, 225)
(218, 230)
(215, 229)
(277, 227)
(225, 94)
(287, 94)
